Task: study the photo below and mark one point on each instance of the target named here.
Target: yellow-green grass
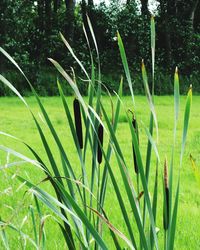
(16, 120)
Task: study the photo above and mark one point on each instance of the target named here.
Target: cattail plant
(78, 122)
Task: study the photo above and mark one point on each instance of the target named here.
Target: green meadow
(15, 203)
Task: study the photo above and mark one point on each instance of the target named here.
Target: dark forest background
(29, 31)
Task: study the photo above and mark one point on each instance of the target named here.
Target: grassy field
(16, 120)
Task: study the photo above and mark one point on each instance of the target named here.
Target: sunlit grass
(15, 119)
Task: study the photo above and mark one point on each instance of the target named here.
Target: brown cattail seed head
(100, 143)
(78, 122)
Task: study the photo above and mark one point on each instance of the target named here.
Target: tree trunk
(69, 22)
(48, 21)
(197, 18)
(144, 8)
(166, 6)
(41, 15)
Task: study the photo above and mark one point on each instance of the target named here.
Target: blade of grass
(125, 65)
(154, 204)
(176, 114)
(31, 210)
(96, 47)
(195, 170)
(91, 90)
(149, 146)
(148, 163)
(172, 227)
(4, 236)
(113, 228)
(74, 56)
(186, 122)
(149, 98)
(40, 217)
(153, 45)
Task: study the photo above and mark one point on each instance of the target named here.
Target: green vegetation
(76, 189)
(30, 33)
(15, 119)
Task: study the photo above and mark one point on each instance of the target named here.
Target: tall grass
(78, 203)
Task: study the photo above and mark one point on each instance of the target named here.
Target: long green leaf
(186, 122)
(125, 65)
(153, 45)
(149, 97)
(154, 204)
(176, 114)
(74, 56)
(172, 227)
(95, 43)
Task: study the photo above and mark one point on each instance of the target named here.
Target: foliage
(30, 34)
(79, 203)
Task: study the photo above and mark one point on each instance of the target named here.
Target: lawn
(16, 120)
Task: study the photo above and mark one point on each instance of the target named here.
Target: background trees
(30, 33)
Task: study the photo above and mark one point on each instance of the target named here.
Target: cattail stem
(165, 240)
(78, 122)
(100, 143)
(166, 198)
(138, 186)
(135, 126)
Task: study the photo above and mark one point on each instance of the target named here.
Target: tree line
(30, 33)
